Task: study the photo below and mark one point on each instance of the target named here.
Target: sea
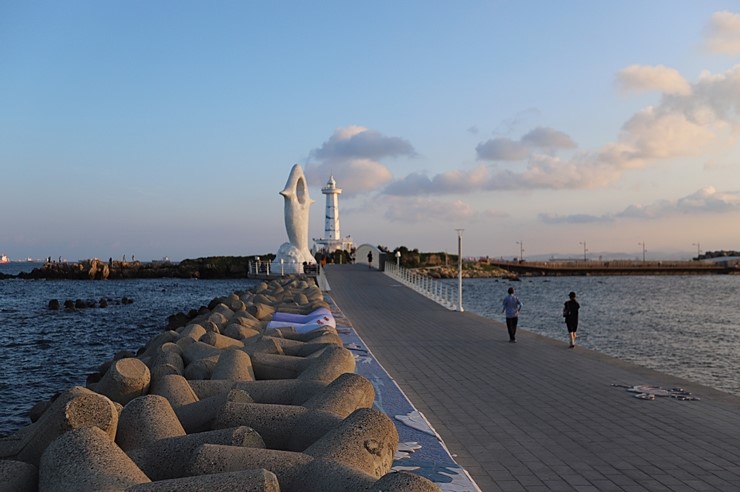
(687, 326)
(43, 351)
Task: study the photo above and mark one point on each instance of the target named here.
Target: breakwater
(617, 267)
(217, 390)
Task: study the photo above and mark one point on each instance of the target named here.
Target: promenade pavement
(536, 415)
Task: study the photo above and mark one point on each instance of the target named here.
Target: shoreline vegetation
(434, 265)
(212, 267)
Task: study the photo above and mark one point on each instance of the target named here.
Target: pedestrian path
(536, 415)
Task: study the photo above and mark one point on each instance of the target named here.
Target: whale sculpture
(295, 252)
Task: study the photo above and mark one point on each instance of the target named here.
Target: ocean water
(687, 326)
(44, 351)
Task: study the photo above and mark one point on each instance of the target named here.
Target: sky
(169, 127)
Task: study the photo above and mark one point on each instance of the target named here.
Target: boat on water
(4, 259)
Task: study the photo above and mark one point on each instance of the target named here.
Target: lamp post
(584, 249)
(398, 258)
(698, 249)
(459, 270)
(643, 250)
(521, 251)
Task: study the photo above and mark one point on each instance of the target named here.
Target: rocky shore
(470, 270)
(218, 401)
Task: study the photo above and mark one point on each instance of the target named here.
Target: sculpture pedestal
(292, 260)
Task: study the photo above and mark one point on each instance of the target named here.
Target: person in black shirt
(570, 313)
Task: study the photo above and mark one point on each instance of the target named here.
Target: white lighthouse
(332, 239)
(331, 225)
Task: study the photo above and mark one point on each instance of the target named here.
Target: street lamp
(521, 251)
(584, 249)
(698, 249)
(643, 250)
(459, 270)
(398, 258)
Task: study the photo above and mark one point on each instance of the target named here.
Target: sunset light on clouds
(168, 128)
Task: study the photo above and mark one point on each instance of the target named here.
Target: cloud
(548, 138)
(638, 78)
(681, 125)
(704, 201)
(573, 219)
(723, 33)
(352, 155)
(456, 181)
(417, 209)
(353, 176)
(357, 142)
(708, 199)
(506, 149)
(553, 173)
(501, 149)
(663, 133)
(541, 172)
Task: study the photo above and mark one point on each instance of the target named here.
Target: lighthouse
(331, 225)
(332, 239)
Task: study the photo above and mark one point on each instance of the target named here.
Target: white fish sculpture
(297, 203)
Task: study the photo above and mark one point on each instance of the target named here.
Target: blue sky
(167, 128)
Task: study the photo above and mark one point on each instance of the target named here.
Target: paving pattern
(536, 415)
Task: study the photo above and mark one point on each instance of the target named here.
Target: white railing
(430, 288)
(257, 268)
(267, 269)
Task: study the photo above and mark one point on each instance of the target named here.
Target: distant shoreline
(619, 267)
(512, 270)
(232, 267)
(213, 267)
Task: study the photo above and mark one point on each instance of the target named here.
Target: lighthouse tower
(332, 239)
(331, 225)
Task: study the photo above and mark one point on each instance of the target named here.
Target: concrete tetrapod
(145, 420)
(76, 407)
(86, 459)
(175, 388)
(235, 365)
(200, 416)
(18, 476)
(125, 380)
(283, 427)
(331, 362)
(353, 455)
(243, 481)
(168, 458)
(278, 391)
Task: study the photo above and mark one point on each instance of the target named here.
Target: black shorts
(572, 325)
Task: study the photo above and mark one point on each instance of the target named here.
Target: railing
(258, 268)
(267, 269)
(430, 288)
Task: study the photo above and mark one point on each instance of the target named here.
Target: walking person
(370, 259)
(570, 313)
(511, 308)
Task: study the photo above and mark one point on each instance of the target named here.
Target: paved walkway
(536, 415)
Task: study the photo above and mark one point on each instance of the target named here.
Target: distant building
(332, 239)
